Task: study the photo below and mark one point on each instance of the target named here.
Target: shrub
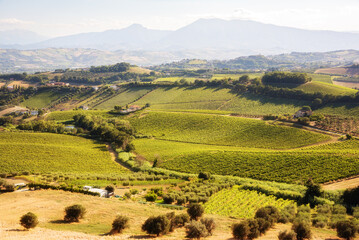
(204, 175)
(346, 229)
(269, 213)
(287, 235)
(240, 230)
(339, 209)
(169, 198)
(302, 229)
(151, 197)
(74, 213)
(180, 220)
(119, 224)
(253, 228)
(110, 188)
(210, 224)
(195, 211)
(263, 225)
(356, 212)
(29, 220)
(133, 191)
(196, 230)
(181, 200)
(157, 225)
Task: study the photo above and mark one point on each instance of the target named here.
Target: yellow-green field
(54, 153)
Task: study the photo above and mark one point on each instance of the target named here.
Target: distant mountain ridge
(208, 35)
(12, 60)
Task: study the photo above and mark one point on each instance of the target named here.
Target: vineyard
(222, 130)
(42, 99)
(238, 203)
(53, 153)
(123, 98)
(321, 163)
(68, 115)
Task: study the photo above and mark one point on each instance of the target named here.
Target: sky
(52, 18)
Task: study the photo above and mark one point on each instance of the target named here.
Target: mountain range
(245, 36)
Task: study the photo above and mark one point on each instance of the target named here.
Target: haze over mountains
(240, 35)
(203, 39)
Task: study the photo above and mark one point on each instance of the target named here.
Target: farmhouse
(131, 108)
(83, 107)
(102, 192)
(303, 113)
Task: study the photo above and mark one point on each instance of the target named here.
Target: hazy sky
(63, 17)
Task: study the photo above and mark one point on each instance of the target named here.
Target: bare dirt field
(19, 83)
(10, 110)
(342, 184)
(346, 84)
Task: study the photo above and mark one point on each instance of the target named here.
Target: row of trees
(117, 132)
(118, 67)
(285, 77)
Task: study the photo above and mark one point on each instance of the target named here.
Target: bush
(29, 220)
(210, 225)
(195, 211)
(240, 230)
(263, 225)
(74, 213)
(169, 198)
(346, 229)
(253, 228)
(302, 229)
(204, 175)
(151, 197)
(269, 213)
(180, 220)
(356, 212)
(119, 224)
(133, 191)
(287, 235)
(157, 225)
(196, 230)
(181, 200)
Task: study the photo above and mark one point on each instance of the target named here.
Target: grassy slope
(222, 130)
(46, 152)
(42, 99)
(124, 98)
(68, 115)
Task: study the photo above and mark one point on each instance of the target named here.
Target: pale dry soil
(342, 184)
(49, 206)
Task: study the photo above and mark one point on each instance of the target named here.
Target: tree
(180, 220)
(290, 235)
(151, 197)
(157, 225)
(240, 230)
(119, 224)
(74, 213)
(110, 188)
(195, 211)
(302, 229)
(313, 190)
(346, 229)
(196, 229)
(29, 220)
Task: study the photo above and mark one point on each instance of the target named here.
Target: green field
(222, 130)
(175, 79)
(239, 203)
(125, 97)
(321, 163)
(42, 99)
(321, 78)
(235, 76)
(54, 153)
(68, 115)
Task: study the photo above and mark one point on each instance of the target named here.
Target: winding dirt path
(340, 184)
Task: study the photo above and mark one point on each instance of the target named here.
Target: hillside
(349, 71)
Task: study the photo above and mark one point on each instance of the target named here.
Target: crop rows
(222, 130)
(235, 202)
(53, 153)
